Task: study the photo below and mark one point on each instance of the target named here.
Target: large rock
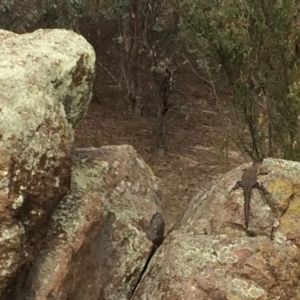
(45, 88)
(85, 236)
(211, 256)
(100, 235)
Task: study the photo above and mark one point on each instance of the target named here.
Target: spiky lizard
(248, 182)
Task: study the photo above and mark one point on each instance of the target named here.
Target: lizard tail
(247, 199)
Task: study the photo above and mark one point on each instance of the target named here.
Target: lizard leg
(260, 187)
(237, 185)
(267, 195)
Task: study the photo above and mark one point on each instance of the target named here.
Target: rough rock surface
(211, 256)
(45, 88)
(91, 236)
(97, 244)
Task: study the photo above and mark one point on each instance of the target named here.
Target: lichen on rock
(46, 78)
(97, 241)
(212, 256)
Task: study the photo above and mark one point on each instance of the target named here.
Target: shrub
(251, 48)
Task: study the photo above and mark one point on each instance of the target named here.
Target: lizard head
(258, 162)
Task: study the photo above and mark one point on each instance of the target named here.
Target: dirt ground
(195, 146)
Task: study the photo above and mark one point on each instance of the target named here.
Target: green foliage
(20, 15)
(251, 48)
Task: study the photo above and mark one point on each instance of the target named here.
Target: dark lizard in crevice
(248, 182)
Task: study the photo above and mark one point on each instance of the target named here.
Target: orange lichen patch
(282, 189)
(290, 219)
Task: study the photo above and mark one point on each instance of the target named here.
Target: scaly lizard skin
(248, 182)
